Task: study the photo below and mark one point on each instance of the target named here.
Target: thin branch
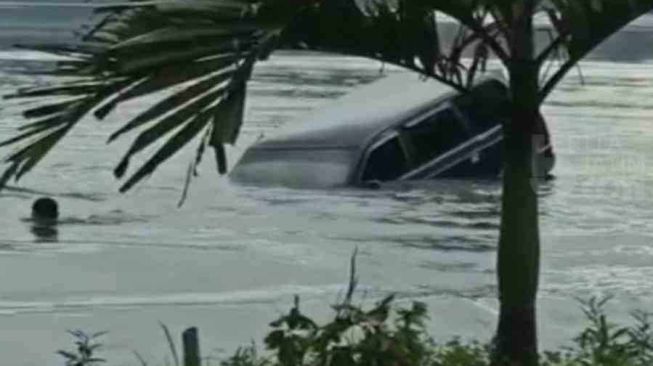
(580, 74)
(555, 79)
(171, 343)
(500, 22)
(353, 278)
(492, 43)
(546, 53)
(552, 60)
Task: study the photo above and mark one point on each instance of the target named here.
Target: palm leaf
(154, 133)
(182, 104)
(192, 167)
(582, 25)
(172, 146)
(404, 33)
(207, 47)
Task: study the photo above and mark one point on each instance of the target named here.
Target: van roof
(362, 114)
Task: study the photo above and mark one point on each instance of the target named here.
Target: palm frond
(202, 50)
(581, 25)
(402, 32)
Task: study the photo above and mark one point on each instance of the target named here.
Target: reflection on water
(45, 232)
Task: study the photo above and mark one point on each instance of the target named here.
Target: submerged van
(396, 129)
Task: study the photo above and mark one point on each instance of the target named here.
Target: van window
(386, 162)
(486, 106)
(434, 135)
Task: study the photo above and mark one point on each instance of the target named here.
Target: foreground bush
(389, 335)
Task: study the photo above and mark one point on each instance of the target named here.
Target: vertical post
(191, 347)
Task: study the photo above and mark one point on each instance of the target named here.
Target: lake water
(231, 259)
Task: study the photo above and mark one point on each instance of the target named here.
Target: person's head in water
(45, 208)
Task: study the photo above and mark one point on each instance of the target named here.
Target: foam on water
(84, 305)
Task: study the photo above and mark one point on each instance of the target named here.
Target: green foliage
(380, 335)
(603, 343)
(246, 356)
(85, 350)
(456, 353)
(391, 335)
(386, 334)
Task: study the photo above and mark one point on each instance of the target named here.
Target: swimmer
(45, 209)
(45, 213)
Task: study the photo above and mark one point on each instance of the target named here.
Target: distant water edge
(29, 26)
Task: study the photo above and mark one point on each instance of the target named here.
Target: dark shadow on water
(428, 291)
(334, 78)
(443, 243)
(461, 243)
(450, 267)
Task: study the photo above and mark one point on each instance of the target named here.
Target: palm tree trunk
(518, 254)
(519, 247)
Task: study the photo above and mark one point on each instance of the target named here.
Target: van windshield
(296, 167)
(386, 162)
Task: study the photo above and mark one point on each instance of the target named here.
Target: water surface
(230, 260)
